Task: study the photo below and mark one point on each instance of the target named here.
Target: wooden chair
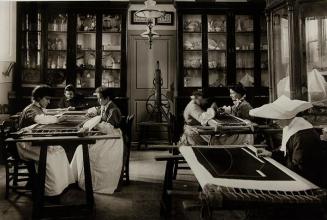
(17, 174)
(127, 133)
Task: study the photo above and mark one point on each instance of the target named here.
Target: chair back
(6, 127)
(129, 126)
(122, 125)
(173, 129)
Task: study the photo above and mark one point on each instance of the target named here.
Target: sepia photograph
(163, 109)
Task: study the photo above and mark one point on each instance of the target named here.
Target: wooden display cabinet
(297, 31)
(219, 45)
(79, 43)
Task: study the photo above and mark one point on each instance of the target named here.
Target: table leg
(40, 184)
(88, 177)
(140, 137)
(167, 185)
(146, 135)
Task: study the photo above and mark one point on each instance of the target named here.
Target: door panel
(142, 64)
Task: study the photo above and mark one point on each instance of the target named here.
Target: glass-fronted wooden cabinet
(297, 33)
(298, 49)
(219, 45)
(83, 44)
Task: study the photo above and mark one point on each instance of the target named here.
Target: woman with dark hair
(240, 109)
(58, 173)
(106, 156)
(108, 110)
(71, 100)
(195, 115)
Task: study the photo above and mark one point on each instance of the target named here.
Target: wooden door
(141, 69)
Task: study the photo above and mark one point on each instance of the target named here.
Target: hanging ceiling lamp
(150, 35)
(150, 12)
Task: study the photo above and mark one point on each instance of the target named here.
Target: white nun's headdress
(282, 108)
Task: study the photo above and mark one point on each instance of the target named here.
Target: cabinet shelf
(86, 32)
(85, 50)
(85, 68)
(244, 68)
(217, 32)
(218, 68)
(191, 50)
(111, 50)
(111, 32)
(192, 32)
(59, 69)
(220, 50)
(57, 32)
(191, 68)
(53, 50)
(244, 51)
(244, 32)
(108, 68)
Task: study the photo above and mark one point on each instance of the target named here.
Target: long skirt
(106, 162)
(233, 139)
(58, 172)
(191, 137)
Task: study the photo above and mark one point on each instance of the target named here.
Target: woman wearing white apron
(106, 156)
(58, 173)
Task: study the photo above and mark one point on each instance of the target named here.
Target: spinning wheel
(163, 108)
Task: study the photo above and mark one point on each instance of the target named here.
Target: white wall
(7, 49)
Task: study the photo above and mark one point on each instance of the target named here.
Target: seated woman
(241, 107)
(58, 173)
(194, 115)
(301, 149)
(71, 100)
(241, 110)
(106, 156)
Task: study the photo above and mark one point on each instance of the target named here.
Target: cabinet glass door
(111, 50)
(31, 48)
(217, 57)
(264, 52)
(316, 52)
(192, 50)
(281, 52)
(86, 50)
(244, 47)
(57, 50)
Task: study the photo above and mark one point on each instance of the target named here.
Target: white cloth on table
(45, 119)
(106, 161)
(204, 177)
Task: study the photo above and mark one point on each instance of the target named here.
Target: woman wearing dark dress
(240, 109)
(71, 100)
(301, 149)
(107, 155)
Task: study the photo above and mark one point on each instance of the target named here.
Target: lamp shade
(150, 11)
